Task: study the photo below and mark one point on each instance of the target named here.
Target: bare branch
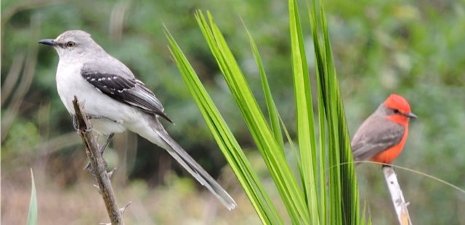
(97, 165)
(396, 195)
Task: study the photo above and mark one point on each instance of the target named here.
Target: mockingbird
(115, 100)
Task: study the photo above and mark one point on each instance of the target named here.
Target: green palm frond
(325, 189)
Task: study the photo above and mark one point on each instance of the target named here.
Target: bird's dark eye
(396, 111)
(70, 44)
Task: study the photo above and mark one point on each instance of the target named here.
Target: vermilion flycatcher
(382, 136)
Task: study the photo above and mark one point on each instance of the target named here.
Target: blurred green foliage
(414, 48)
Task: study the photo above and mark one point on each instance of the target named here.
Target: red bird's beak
(411, 115)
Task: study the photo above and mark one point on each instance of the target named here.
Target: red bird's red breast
(388, 155)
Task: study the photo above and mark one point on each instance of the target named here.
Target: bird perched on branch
(382, 136)
(115, 100)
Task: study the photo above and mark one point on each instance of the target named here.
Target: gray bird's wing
(120, 84)
(375, 135)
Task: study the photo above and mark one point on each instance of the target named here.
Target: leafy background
(415, 48)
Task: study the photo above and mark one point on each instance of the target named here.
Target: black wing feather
(126, 90)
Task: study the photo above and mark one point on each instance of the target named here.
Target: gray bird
(115, 100)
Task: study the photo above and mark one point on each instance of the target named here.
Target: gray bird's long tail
(181, 156)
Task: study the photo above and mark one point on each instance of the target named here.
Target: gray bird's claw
(76, 124)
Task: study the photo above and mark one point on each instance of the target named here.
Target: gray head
(73, 43)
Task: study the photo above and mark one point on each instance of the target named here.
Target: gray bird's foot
(76, 124)
(90, 116)
(107, 142)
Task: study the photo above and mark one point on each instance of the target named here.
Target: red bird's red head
(401, 108)
(398, 102)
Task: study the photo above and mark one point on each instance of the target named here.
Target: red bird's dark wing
(375, 135)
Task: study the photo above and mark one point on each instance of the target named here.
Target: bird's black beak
(411, 115)
(49, 42)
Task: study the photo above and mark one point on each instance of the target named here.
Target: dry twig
(97, 165)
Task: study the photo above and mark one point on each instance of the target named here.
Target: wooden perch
(97, 165)
(396, 195)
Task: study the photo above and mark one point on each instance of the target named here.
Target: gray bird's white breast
(109, 115)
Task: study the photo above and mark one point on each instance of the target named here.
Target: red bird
(382, 136)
